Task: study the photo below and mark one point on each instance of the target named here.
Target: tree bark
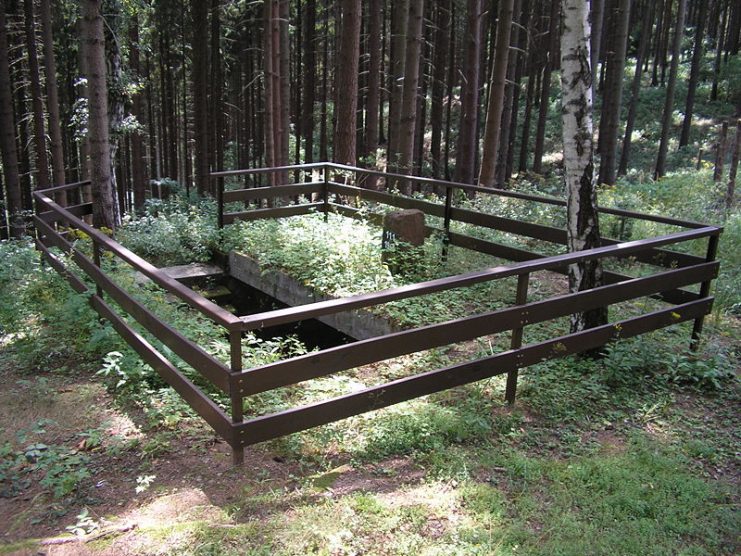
(7, 135)
(487, 175)
(697, 53)
(545, 93)
(610, 120)
(578, 145)
(597, 11)
(720, 154)
(199, 10)
(408, 116)
(139, 163)
(347, 99)
(52, 102)
(374, 80)
(635, 90)
(733, 170)
(399, 25)
(39, 133)
(468, 130)
(441, 46)
(309, 73)
(671, 86)
(105, 204)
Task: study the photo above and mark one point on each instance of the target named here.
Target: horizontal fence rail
(327, 188)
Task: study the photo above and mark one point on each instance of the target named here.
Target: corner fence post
(712, 252)
(446, 221)
(523, 281)
(326, 192)
(235, 342)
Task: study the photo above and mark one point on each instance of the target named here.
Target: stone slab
(358, 324)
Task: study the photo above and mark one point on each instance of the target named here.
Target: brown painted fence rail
(674, 272)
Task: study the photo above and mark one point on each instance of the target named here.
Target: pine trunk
(105, 205)
(399, 24)
(39, 133)
(487, 175)
(52, 102)
(374, 80)
(139, 164)
(610, 121)
(697, 54)
(635, 90)
(347, 97)
(7, 135)
(468, 130)
(408, 116)
(666, 120)
(545, 92)
(309, 72)
(199, 11)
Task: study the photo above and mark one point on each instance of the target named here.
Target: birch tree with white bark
(578, 153)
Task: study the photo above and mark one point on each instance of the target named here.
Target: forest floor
(658, 475)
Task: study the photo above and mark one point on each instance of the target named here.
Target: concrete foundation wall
(358, 323)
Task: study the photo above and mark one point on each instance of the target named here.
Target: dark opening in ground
(242, 299)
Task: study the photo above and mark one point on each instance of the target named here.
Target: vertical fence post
(325, 170)
(446, 220)
(235, 344)
(704, 292)
(523, 281)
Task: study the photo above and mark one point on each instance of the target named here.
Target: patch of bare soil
(187, 471)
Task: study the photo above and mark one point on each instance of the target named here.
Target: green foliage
(57, 468)
(172, 232)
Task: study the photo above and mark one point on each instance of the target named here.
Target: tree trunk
(323, 139)
(199, 11)
(733, 170)
(697, 53)
(216, 96)
(468, 130)
(545, 93)
(52, 102)
(510, 113)
(635, 90)
(610, 120)
(441, 46)
(666, 120)
(284, 87)
(347, 98)
(105, 204)
(139, 163)
(597, 11)
(408, 116)
(719, 51)
(115, 91)
(452, 74)
(720, 154)
(307, 125)
(399, 25)
(578, 148)
(7, 135)
(374, 80)
(39, 135)
(487, 175)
